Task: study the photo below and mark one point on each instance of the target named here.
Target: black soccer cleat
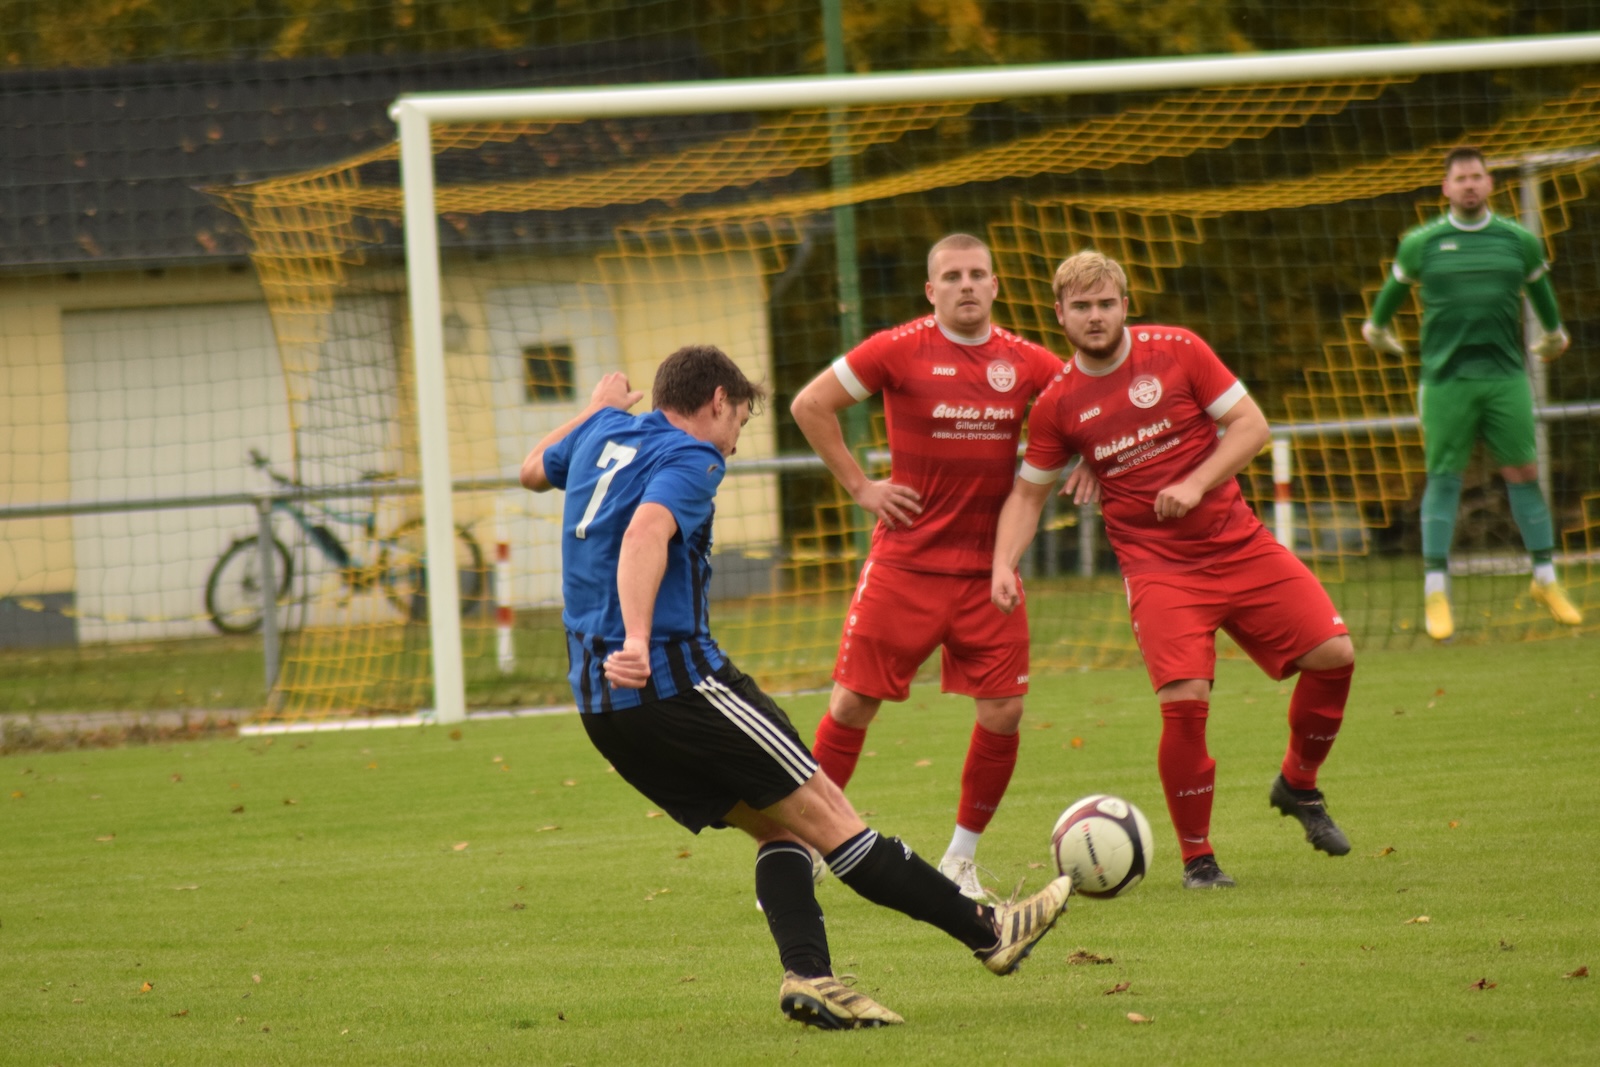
(1202, 872)
(1311, 809)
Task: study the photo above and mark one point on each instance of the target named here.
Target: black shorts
(699, 753)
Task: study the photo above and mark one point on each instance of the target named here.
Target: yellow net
(572, 249)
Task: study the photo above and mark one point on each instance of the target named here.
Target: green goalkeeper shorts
(1458, 411)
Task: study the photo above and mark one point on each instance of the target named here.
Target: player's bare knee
(1002, 716)
(849, 708)
(1333, 654)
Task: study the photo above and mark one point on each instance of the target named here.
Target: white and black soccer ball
(1103, 844)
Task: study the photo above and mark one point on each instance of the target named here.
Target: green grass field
(492, 895)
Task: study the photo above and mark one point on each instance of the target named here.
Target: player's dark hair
(688, 379)
(1464, 154)
(956, 242)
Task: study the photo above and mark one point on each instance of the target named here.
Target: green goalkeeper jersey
(1472, 277)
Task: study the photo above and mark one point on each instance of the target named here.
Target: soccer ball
(1103, 844)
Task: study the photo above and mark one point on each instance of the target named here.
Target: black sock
(886, 872)
(788, 896)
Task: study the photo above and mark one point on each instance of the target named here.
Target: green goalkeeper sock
(1441, 498)
(1533, 519)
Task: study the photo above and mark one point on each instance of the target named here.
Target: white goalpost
(416, 115)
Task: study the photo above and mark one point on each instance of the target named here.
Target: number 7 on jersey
(613, 458)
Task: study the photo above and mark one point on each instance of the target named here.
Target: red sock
(1316, 710)
(1188, 774)
(838, 749)
(991, 758)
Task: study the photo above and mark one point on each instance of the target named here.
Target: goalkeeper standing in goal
(1473, 267)
(680, 723)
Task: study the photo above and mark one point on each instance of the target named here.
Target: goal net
(1262, 215)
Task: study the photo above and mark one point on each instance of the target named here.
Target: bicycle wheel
(233, 592)
(403, 564)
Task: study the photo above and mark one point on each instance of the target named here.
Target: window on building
(547, 373)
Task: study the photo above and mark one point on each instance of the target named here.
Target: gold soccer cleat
(1022, 924)
(1436, 608)
(1554, 598)
(829, 1004)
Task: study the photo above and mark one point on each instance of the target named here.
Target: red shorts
(1265, 599)
(899, 617)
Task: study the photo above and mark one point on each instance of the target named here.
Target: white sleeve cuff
(1224, 403)
(848, 379)
(1029, 473)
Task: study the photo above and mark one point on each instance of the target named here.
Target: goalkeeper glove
(1551, 344)
(1382, 339)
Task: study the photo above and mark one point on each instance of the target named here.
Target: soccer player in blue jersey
(680, 723)
(1473, 267)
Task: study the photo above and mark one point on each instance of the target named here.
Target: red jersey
(1142, 426)
(955, 412)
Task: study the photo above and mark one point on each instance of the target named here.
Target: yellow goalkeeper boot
(1436, 608)
(1554, 599)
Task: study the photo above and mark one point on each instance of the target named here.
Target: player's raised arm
(612, 391)
(640, 566)
(1247, 434)
(1019, 519)
(816, 411)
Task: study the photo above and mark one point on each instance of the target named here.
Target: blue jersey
(608, 466)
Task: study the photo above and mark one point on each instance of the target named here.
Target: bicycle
(233, 590)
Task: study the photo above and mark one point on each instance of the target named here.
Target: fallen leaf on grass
(179, 1014)
(569, 781)
(1419, 920)
(1135, 1017)
(1120, 987)
(290, 802)
(1386, 850)
(17, 794)
(459, 846)
(652, 814)
(519, 906)
(1482, 983)
(256, 978)
(455, 735)
(657, 893)
(1034, 866)
(685, 854)
(107, 837)
(1454, 823)
(687, 978)
(1077, 742)
(1581, 972)
(236, 811)
(923, 763)
(146, 987)
(1043, 726)
(1506, 946)
(1084, 956)
(181, 888)
(177, 777)
(372, 766)
(547, 829)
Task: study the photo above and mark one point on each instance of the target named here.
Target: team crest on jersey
(1145, 391)
(1002, 376)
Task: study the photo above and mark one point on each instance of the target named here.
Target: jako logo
(944, 372)
(1085, 416)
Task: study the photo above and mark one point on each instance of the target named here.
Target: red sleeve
(1048, 449)
(876, 361)
(1207, 375)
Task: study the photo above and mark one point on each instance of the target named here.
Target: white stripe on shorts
(792, 757)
